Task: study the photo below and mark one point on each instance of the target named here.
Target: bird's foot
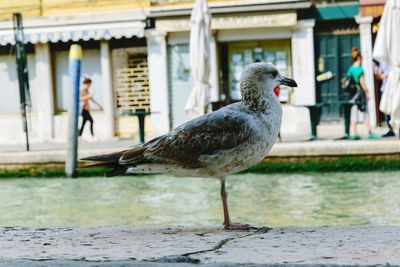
(243, 227)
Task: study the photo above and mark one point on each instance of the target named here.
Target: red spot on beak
(277, 90)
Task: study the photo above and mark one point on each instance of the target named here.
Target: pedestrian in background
(85, 98)
(359, 111)
(382, 74)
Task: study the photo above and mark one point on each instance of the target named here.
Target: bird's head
(261, 80)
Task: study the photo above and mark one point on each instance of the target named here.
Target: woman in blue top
(357, 72)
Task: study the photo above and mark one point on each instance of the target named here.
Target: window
(9, 88)
(180, 82)
(91, 68)
(241, 54)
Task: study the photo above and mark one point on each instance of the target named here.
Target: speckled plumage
(217, 144)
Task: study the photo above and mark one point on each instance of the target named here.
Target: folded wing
(205, 135)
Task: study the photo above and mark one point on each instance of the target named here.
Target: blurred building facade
(137, 54)
(243, 32)
(112, 35)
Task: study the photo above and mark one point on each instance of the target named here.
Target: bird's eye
(273, 74)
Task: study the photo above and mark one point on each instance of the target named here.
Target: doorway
(333, 53)
(131, 84)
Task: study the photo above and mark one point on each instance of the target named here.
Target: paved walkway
(291, 147)
(362, 245)
(56, 153)
(53, 152)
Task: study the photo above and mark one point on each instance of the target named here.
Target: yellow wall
(26, 7)
(65, 7)
(190, 2)
(59, 7)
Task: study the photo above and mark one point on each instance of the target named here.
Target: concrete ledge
(125, 245)
(325, 148)
(336, 148)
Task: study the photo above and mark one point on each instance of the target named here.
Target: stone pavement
(291, 147)
(55, 152)
(42, 153)
(128, 245)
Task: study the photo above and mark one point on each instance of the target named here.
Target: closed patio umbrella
(200, 36)
(387, 51)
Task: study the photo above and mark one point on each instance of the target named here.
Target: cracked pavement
(155, 246)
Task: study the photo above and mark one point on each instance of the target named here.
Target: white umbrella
(387, 51)
(200, 37)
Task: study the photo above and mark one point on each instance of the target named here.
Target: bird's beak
(287, 81)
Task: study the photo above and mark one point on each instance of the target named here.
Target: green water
(274, 200)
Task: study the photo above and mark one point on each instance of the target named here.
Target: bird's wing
(220, 130)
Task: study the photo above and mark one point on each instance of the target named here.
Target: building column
(214, 81)
(303, 62)
(158, 81)
(108, 90)
(367, 63)
(45, 92)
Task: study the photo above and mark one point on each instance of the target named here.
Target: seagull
(214, 145)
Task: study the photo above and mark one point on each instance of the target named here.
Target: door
(180, 83)
(333, 53)
(131, 84)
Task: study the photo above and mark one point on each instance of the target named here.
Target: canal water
(349, 198)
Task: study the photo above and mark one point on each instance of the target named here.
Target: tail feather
(119, 170)
(113, 161)
(113, 157)
(105, 164)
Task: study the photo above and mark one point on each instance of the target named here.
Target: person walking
(359, 111)
(382, 74)
(85, 98)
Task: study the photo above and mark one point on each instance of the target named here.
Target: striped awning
(64, 29)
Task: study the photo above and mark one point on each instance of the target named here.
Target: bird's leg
(228, 225)
(224, 198)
